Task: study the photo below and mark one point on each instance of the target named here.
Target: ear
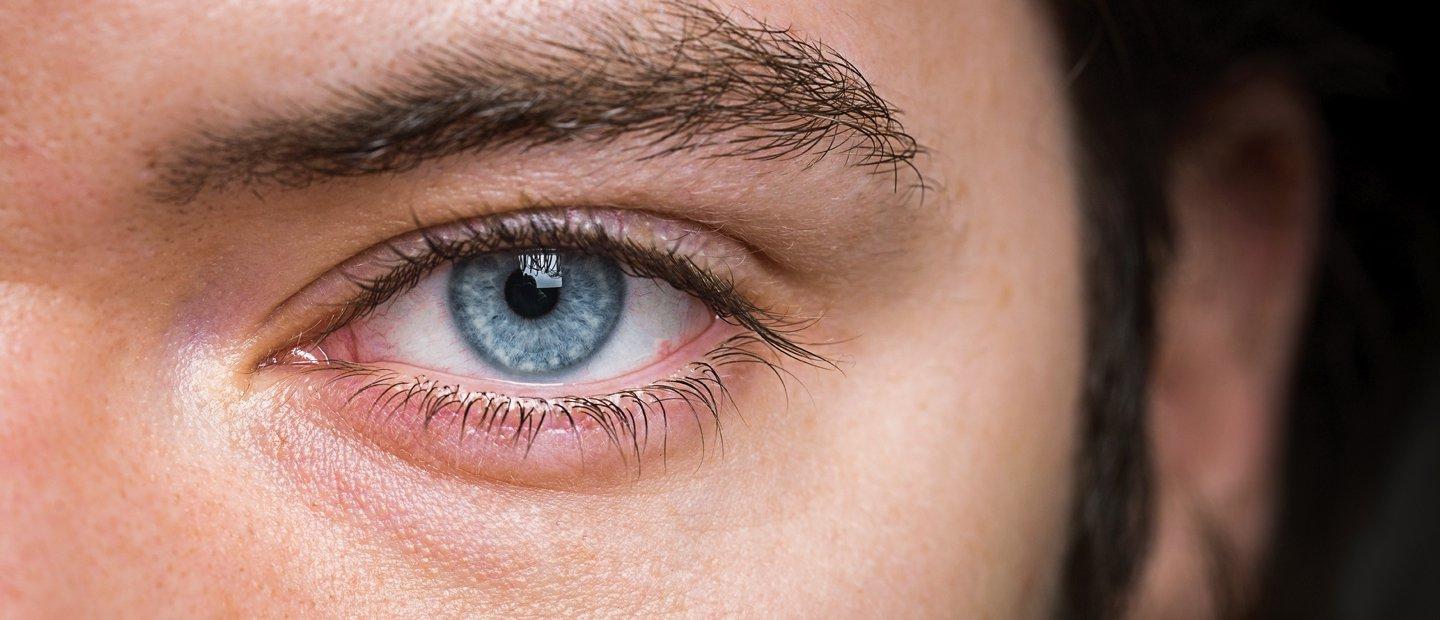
(1246, 189)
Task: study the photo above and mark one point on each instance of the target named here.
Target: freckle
(1006, 292)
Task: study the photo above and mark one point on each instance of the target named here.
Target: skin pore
(156, 250)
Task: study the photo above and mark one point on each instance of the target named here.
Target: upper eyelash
(532, 229)
(626, 427)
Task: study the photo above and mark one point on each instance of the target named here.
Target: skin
(146, 467)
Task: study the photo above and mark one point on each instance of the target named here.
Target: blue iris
(536, 312)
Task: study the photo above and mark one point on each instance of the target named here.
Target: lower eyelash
(629, 418)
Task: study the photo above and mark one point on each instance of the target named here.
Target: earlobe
(1245, 190)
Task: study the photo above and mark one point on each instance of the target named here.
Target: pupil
(528, 300)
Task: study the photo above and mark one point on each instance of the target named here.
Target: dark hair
(1137, 70)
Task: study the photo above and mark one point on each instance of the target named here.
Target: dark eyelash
(625, 417)
(626, 428)
(534, 230)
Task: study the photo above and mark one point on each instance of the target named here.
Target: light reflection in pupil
(526, 298)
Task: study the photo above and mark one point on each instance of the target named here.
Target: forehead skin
(933, 477)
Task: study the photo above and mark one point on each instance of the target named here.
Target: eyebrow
(680, 77)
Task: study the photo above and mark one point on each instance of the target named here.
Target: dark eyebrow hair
(682, 76)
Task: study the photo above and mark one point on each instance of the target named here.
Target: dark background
(1359, 531)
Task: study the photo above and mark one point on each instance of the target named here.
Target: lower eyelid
(504, 438)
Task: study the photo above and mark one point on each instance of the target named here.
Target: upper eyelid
(532, 233)
(406, 259)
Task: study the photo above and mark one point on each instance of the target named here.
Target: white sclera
(416, 328)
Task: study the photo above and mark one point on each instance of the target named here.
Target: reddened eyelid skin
(560, 441)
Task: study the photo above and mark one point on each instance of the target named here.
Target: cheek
(113, 493)
(636, 543)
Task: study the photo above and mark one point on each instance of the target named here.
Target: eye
(516, 311)
(531, 317)
(538, 347)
